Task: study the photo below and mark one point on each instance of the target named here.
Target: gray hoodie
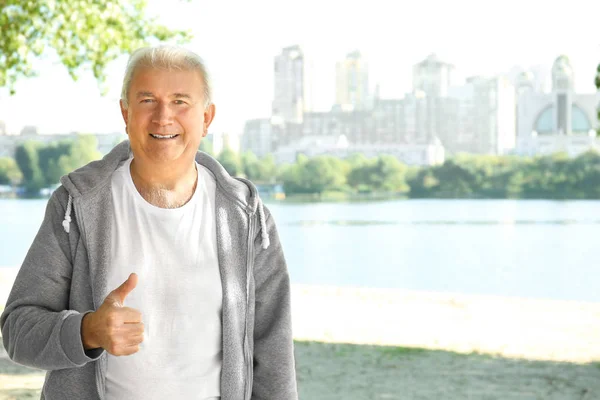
(64, 276)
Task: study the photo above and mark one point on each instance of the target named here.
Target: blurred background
(432, 166)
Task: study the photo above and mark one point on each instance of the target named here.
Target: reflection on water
(544, 249)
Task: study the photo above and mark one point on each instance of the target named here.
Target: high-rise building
(434, 78)
(352, 83)
(258, 137)
(289, 98)
(561, 120)
(486, 120)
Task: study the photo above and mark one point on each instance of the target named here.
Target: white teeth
(162, 136)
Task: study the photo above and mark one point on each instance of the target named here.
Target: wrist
(87, 336)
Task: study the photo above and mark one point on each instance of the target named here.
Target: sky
(238, 40)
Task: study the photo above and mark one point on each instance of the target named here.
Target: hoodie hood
(96, 175)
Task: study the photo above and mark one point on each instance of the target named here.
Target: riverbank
(512, 327)
(357, 344)
(327, 371)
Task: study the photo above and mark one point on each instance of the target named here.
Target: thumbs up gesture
(114, 327)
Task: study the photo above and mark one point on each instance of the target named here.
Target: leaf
(84, 34)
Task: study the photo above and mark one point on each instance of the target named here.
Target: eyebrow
(181, 96)
(144, 94)
(175, 95)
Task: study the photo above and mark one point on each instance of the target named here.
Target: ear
(209, 115)
(123, 113)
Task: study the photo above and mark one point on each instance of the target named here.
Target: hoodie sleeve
(274, 366)
(38, 329)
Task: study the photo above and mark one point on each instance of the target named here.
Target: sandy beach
(356, 343)
(509, 327)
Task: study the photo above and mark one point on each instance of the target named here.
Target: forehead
(166, 81)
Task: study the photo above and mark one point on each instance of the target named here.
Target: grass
(19, 394)
(328, 371)
(331, 371)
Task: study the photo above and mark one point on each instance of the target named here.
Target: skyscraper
(352, 82)
(433, 77)
(289, 89)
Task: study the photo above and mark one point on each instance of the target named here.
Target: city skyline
(242, 65)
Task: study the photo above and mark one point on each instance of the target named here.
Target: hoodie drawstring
(66, 223)
(266, 242)
(263, 226)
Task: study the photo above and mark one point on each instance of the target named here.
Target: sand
(510, 327)
(418, 345)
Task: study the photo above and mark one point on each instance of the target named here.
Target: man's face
(166, 118)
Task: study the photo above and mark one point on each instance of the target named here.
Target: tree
(88, 33)
(384, 173)
(10, 174)
(597, 81)
(391, 175)
(314, 175)
(263, 170)
(250, 165)
(26, 156)
(43, 166)
(48, 157)
(206, 146)
(268, 168)
(83, 150)
(424, 183)
(230, 161)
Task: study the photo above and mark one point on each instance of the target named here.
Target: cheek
(192, 121)
(139, 119)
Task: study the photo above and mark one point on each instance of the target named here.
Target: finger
(130, 315)
(120, 293)
(132, 330)
(135, 340)
(129, 350)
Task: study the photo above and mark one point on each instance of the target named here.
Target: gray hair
(165, 57)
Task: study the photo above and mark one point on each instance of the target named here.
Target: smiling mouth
(163, 137)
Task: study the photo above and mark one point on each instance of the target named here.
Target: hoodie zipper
(248, 272)
(97, 367)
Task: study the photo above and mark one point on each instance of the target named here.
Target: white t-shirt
(179, 293)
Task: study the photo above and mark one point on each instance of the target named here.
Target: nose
(162, 115)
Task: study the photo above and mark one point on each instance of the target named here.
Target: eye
(180, 102)
(147, 101)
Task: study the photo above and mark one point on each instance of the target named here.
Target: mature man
(155, 274)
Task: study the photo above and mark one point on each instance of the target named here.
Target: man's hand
(114, 327)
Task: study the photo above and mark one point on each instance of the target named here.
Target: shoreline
(510, 327)
(519, 328)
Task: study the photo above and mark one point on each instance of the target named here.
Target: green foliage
(82, 151)
(42, 166)
(555, 176)
(383, 174)
(597, 82)
(261, 171)
(27, 158)
(206, 146)
(49, 157)
(230, 161)
(88, 33)
(10, 174)
(315, 175)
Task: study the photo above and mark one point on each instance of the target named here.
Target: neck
(169, 186)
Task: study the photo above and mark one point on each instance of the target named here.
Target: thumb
(119, 294)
